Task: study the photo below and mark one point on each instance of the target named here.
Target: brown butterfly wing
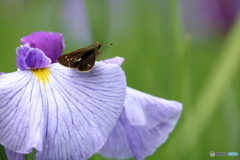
(83, 59)
(87, 62)
(72, 59)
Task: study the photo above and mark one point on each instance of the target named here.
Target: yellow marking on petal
(42, 75)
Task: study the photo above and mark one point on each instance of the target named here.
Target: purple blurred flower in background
(205, 18)
(143, 126)
(62, 113)
(77, 27)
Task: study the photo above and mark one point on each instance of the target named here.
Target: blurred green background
(170, 50)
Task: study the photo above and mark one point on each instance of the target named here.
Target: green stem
(31, 156)
(175, 25)
(181, 71)
(3, 155)
(180, 49)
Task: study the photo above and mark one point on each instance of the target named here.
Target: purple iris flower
(62, 113)
(205, 18)
(143, 126)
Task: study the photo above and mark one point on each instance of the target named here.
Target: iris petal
(70, 118)
(115, 60)
(128, 141)
(50, 43)
(21, 124)
(35, 58)
(13, 155)
(143, 126)
(149, 110)
(82, 113)
(21, 54)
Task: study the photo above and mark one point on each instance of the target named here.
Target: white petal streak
(83, 109)
(21, 116)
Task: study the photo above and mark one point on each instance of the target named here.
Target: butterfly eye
(99, 46)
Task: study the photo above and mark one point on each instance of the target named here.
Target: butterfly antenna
(108, 44)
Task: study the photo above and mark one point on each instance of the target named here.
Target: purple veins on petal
(69, 118)
(21, 112)
(35, 58)
(31, 58)
(84, 109)
(143, 126)
(21, 54)
(50, 43)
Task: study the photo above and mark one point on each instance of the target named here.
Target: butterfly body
(82, 59)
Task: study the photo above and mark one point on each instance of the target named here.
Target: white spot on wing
(77, 60)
